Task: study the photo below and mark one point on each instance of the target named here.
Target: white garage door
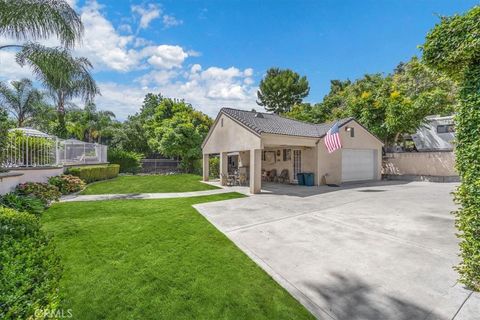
(358, 164)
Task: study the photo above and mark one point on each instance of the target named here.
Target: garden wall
(9, 180)
(420, 166)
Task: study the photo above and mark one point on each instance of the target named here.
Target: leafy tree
(388, 105)
(45, 118)
(64, 76)
(131, 135)
(89, 124)
(280, 90)
(453, 47)
(22, 100)
(3, 134)
(177, 130)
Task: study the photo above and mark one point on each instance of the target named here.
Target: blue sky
(213, 53)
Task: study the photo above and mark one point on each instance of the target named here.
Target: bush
(95, 173)
(22, 203)
(30, 269)
(214, 167)
(452, 47)
(67, 183)
(129, 161)
(43, 191)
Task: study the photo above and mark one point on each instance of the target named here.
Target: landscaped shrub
(67, 183)
(95, 173)
(29, 268)
(452, 47)
(23, 203)
(129, 161)
(214, 167)
(43, 191)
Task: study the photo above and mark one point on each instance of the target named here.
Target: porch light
(351, 130)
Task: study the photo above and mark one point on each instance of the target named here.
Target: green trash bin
(309, 179)
(301, 179)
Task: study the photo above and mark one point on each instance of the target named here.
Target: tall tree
(280, 90)
(3, 135)
(388, 105)
(22, 100)
(132, 134)
(27, 20)
(64, 76)
(89, 124)
(177, 130)
(453, 47)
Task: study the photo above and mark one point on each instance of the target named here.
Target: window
(287, 156)
(221, 122)
(446, 128)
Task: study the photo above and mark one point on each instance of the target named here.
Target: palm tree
(88, 124)
(22, 100)
(27, 20)
(64, 76)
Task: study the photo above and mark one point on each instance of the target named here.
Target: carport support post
(255, 170)
(223, 166)
(206, 164)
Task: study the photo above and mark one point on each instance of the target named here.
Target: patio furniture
(242, 179)
(272, 177)
(265, 175)
(223, 179)
(284, 177)
(231, 180)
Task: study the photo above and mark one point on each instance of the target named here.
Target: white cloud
(147, 14)
(161, 68)
(165, 56)
(123, 100)
(170, 21)
(101, 43)
(10, 69)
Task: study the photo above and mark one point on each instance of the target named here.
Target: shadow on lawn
(348, 297)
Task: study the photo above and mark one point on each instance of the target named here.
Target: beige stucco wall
(420, 163)
(28, 175)
(330, 164)
(230, 138)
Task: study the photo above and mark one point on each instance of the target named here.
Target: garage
(358, 164)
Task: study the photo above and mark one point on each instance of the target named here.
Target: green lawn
(148, 184)
(158, 259)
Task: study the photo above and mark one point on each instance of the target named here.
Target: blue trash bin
(309, 179)
(301, 179)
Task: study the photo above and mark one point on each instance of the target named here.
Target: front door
(297, 163)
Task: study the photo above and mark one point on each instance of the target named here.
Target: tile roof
(261, 122)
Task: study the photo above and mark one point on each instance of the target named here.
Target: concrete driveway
(372, 251)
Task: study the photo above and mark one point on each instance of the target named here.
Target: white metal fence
(31, 148)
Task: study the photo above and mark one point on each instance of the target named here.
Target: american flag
(332, 139)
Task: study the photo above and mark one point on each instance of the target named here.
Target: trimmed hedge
(30, 269)
(129, 161)
(452, 47)
(95, 173)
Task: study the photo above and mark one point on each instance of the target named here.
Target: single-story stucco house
(258, 142)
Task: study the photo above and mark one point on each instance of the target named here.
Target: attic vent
(258, 115)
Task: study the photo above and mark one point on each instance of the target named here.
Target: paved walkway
(375, 251)
(166, 195)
